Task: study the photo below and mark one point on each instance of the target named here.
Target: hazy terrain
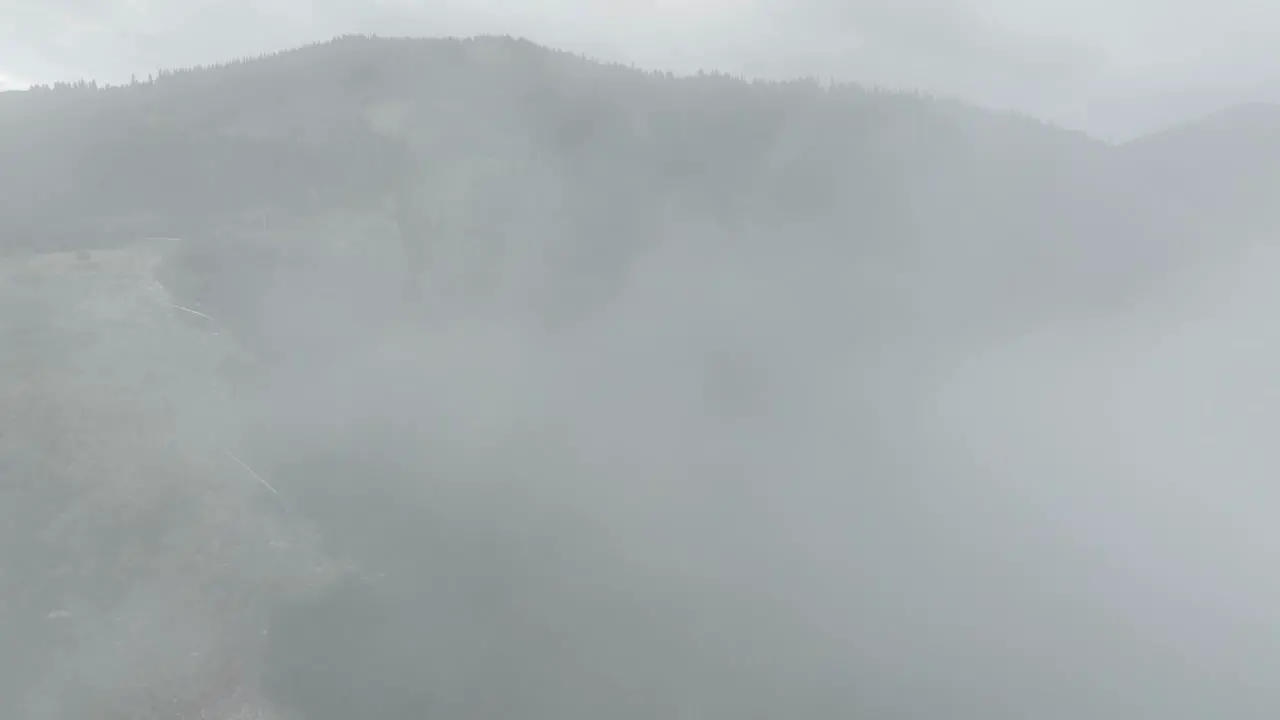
(480, 380)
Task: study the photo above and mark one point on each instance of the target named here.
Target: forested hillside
(474, 379)
(479, 150)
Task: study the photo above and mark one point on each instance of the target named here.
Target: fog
(870, 406)
(713, 498)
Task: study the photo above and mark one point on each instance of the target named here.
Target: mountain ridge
(435, 143)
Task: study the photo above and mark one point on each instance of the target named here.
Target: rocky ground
(140, 550)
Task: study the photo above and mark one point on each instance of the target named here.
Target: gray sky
(1105, 65)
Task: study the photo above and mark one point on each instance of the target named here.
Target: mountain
(477, 150)
(1220, 171)
(607, 389)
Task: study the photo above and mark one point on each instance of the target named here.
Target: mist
(398, 378)
(715, 497)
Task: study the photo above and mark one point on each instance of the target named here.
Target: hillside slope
(1220, 174)
(138, 561)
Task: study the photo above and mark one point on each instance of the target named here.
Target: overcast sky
(1109, 66)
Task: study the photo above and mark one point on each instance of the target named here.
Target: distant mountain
(1221, 173)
